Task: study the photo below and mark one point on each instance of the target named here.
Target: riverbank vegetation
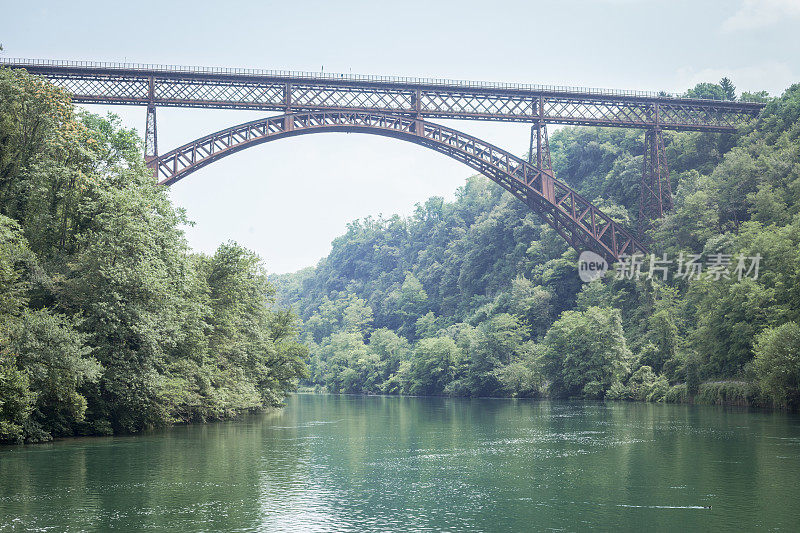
(108, 322)
(477, 297)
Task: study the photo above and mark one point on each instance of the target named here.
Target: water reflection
(339, 463)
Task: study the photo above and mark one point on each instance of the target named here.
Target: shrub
(584, 352)
(728, 393)
(643, 385)
(618, 391)
(777, 363)
(677, 394)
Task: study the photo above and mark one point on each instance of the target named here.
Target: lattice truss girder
(442, 102)
(314, 97)
(103, 89)
(204, 92)
(581, 223)
(464, 104)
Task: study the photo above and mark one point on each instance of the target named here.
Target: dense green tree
(357, 315)
(432, 366)
(16, 397)
(391, 350)
(532, 304)
(16, 264)
(642, 385)
(585, 352)
(663, 333)
(711, 91)
(427, 325)
(728, 319)
(57, 363)
(523, 376)
(777, 363)
(408, 304)
(728, 88)
(107, 322)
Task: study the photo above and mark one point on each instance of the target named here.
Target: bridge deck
(175, 86)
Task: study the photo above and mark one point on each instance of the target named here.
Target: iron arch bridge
(582, 224)
(397, 107)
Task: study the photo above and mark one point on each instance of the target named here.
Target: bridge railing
(182, 69)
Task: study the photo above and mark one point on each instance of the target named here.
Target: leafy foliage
(107, 322)
(777, 363)
(585, 352)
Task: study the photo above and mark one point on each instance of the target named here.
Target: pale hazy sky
(287, 200)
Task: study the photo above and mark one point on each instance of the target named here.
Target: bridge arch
(582, 224)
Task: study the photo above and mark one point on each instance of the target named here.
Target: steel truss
(386, 105)
(95, 83)
(583, 225)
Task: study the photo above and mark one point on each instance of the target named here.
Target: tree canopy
(108, 322)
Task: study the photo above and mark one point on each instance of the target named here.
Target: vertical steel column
(655, 191)
(416, 106)
(287, 99)
(150, 135)
(539, 152)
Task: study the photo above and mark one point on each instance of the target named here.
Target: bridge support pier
(655, 191)
(539, 155)
(150, 135)
(539, 152)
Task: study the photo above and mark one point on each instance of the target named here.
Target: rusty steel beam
(582, 224)
(655, 190)
(150, 132)
(158, 85)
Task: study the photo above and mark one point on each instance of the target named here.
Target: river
(352, 463)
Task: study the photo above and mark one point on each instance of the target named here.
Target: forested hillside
(476, 297)
(108, 322)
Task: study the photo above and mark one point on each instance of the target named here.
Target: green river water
(352, 463)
